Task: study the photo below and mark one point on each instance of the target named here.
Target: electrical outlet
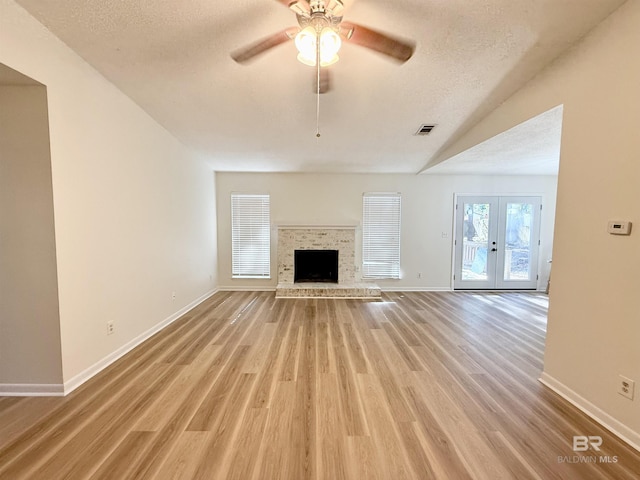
(110, 328)
(173, 295)
(625, 387)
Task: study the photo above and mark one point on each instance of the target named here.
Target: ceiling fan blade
(251, 51)
(400, 50)
(325, 81)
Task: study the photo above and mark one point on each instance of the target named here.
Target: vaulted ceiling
(173, 59)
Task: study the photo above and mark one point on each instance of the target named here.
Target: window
(381, 235)
(250, 236)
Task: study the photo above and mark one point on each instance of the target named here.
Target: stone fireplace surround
(321, 237)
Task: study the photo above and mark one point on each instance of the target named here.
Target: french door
(496, 243)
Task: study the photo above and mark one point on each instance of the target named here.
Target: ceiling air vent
(425, 129)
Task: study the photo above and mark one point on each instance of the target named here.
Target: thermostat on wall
(619, 227)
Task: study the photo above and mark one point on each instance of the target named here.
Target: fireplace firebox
(315, 266)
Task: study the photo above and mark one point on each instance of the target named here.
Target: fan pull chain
(318, 86)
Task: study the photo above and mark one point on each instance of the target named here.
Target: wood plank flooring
(417, 386)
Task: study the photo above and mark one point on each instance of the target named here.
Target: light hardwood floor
(418, 386)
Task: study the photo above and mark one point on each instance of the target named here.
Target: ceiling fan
(318, 37)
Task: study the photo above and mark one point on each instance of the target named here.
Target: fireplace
(330, 268)
(315, 266)
(317, 237)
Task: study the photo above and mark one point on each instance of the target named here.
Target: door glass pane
(475, 241)
(517, 252)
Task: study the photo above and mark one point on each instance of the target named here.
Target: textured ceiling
(172, 58)
(531, 148)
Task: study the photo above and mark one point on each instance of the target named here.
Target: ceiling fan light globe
(329, 39)
(330, 44)
(306, 42)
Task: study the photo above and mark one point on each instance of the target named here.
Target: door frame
(497, 235)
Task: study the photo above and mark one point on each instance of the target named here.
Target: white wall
(594, 318)
(29, 320)
(427, 213)
(134, 209)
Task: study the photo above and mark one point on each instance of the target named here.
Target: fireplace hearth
(319, 266)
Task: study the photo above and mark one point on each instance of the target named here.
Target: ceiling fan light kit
(307, 42)
(319, 23)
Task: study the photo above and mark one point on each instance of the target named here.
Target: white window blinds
(381, 235)
(250, 236)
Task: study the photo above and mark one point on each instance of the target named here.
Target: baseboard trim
(416, 289)
(31, 390)
(234, 288)
(82, 377)
(603, 418)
